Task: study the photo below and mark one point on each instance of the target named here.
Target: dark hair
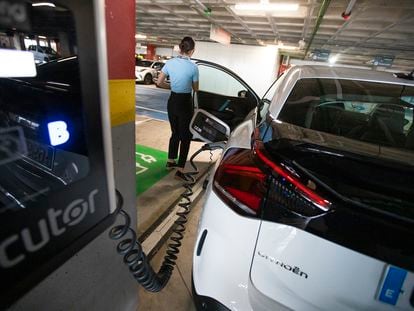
(187, 44)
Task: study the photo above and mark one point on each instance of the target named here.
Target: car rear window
(378, 113)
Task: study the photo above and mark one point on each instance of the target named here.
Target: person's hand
(195, 86)
(161, 81)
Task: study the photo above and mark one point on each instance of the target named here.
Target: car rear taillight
(241, 181)
(294, 181)
(293, 191)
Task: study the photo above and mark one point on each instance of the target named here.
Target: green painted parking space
(149, 167)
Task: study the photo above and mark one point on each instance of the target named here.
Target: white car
(42, 54)
(312, 205)
(147, 70)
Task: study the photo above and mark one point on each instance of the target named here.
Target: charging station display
(56, 182)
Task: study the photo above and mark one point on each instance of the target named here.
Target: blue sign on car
(393, 282)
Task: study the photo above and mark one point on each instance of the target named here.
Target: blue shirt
(182, 72)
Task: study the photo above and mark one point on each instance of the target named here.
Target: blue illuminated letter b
(58, 133)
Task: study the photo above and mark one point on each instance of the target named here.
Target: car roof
(311, 71)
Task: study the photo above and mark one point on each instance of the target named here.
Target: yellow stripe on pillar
(122, 101)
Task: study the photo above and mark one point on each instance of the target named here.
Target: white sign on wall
(219, 35)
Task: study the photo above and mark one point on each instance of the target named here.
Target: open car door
(222, 102)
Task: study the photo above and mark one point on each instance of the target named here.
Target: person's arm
(195, 86)
(161, 81)
(195, 79)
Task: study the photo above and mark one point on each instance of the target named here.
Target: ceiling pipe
(321, 14)
(203, 6)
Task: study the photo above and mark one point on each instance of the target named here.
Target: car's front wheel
(147, 79)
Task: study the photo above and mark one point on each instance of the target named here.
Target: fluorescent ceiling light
(288, 47)
(42, 37)
(266, 6)
(44, 4)
(139, 36)
(333, 59)
(282, 46)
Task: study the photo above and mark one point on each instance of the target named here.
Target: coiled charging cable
(131, 250)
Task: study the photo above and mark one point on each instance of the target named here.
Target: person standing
(184, 76)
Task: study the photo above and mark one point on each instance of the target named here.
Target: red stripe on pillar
(150, 51)
(120, 32)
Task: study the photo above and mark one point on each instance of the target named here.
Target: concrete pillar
(120, 28)
(150, 51)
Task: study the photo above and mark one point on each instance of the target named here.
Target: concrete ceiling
(375, 27)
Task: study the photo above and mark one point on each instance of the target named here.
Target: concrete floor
(151, 101)
(177, 294)
(155, 133)
(153, 202)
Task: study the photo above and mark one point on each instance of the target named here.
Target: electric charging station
(56, 186)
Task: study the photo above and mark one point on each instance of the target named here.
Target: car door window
(224, 95)
(216, 81)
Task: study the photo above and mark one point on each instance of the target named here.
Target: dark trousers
(180, 112)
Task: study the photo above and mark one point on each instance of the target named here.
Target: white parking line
(142, 121)
(150, 109)
(149, 244)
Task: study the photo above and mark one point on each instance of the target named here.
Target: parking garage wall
(257, 65)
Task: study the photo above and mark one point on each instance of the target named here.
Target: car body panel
(293, 268)
(333, 142)
(305, 272)
(349, 74)
(211, 273)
